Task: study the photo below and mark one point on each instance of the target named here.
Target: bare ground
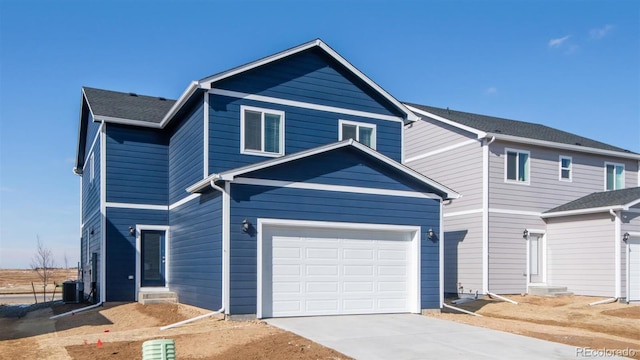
(18, 281)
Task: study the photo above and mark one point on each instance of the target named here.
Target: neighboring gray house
(539, 206)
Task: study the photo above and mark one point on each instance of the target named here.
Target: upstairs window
(566, 172)
(613, 176)
(517, 166)
(92, 169)
(262, 131)
(361, 132)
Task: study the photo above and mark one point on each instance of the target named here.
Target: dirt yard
(18, 281)
(118, 330)
(568, 320)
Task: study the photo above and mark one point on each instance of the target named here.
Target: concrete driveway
(408, 336)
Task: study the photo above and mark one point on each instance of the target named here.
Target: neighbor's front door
(535, 258)
(152, 255)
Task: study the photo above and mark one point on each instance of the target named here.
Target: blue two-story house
(271, 189)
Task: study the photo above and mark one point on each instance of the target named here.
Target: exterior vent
(578, 144)
(133, 94)
(162, 99)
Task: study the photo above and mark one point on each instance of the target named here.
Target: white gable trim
(207, 82)
(305, 105)
(479, 133)
(441, 150)
(123, 121)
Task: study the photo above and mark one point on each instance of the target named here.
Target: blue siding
(344, 166)
(253, 202)
(312, 77)
(137, 165)
(186, 164)
(196, 251)
(91, 190)
(93, 241)
(304, 129)
(92, 131)
(121, 249)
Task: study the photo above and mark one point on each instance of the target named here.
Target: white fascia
(581, 211)
(480, 134)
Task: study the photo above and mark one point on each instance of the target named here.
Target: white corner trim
(136, 206)
(485, 215)
(515, 212)
(441, 256)
(478, 133)
(103, 212)
(336, 188)
(304, 105)
(205, 150)
(442, 150)
(226, 247)
(617, 246)
(183, 201)
(463, 212)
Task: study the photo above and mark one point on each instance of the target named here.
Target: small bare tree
(42, 263)
(66, 261)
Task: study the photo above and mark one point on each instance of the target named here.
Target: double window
(363, 133)
(517, 166)
(613, 176)
(262, 131)
(566, 170)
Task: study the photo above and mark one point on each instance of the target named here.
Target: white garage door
(634, 269)
(313, 271)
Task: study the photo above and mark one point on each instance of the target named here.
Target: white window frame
(92, 169)
(506, 163)
(243, 108)
(570, 168)
(607, 163)
(358, 124)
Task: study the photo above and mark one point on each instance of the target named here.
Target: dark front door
(152, 254)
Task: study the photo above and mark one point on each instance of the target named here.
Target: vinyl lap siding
(253, 202)
(311, 77)
(196, 251)
(427, 135)
(545, 190)
(94, 242)
(630, 223)
(508, 251)
(121, 248)
(304, 129)
(463, 253)
(92, 131)
(581, 254)
(186, 154)
(137, 170)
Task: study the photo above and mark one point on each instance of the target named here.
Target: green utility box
(159, 349)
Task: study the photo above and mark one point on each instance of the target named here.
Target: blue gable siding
(253, 202)
(344, 166)
(93, 241)
(121, 248)
(92, 131)
(313, 77)
(186, 163)
(137, 165)
(91, 189)
(304, 129)
(196, 251)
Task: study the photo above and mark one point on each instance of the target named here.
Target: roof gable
(507, 129)
(597, 202)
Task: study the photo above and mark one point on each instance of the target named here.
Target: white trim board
(441, 150)
(336, 188)
(413, 231)
(304, 105)
(463, 212)
(514, 212)
(139, 229)
(176, 204)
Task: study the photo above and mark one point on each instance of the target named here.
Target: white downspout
(485, 214)
(73, 312)
(193, 319)
(618, 276)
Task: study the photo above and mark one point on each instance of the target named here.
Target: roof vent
(578, 144)
(133, 94)
(162, 99)
(498, 131)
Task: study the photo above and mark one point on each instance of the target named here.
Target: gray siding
(463, 253)
(508, 251)
(630, 223)
(581, 254)
(459, 169)
(545, 190)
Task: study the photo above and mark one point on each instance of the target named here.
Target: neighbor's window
(92, 169)
(361, 132)
(613, 176)
(517, 166)
(262, 131)
(566, 168)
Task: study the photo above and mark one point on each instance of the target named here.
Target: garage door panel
(331, 272)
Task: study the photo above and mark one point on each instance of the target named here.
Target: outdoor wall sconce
(525, 234)
(132, 231)
(245, 225)
(625, 237)
(91, 232)
(431, 235)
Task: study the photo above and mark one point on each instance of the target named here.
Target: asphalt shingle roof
(517, 128)
(601, 199)
(127, 105)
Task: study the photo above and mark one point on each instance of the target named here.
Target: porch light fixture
(132, 231)
(91, 232)
(245, 225)
(525, 234)
(430, 234)
(625, 237)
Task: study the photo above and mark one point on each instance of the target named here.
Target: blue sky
(573, 65)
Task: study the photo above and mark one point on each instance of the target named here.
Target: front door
(535, 258)
(152, 256)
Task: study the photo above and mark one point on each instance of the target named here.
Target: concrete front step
(549, 291)
(163, 297)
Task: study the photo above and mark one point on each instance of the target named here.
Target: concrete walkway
(408, 336)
